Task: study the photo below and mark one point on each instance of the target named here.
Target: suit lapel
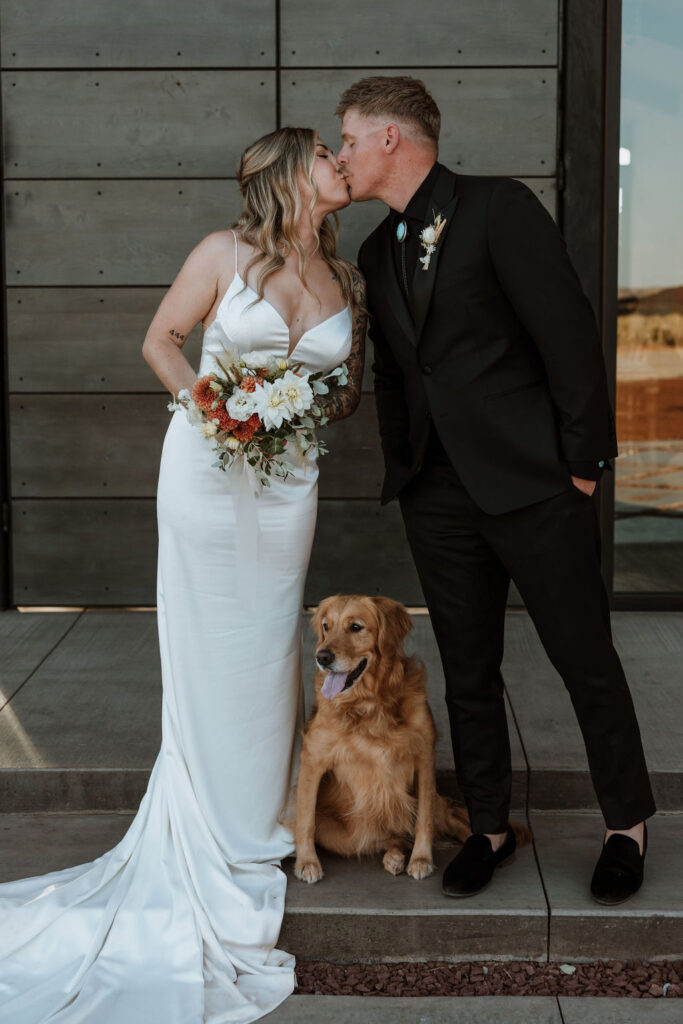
(444, 201)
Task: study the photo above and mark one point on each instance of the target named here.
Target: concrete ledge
(417, 1010)
(361, 913)
(597, 1010)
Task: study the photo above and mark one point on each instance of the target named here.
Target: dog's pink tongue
(334, 684)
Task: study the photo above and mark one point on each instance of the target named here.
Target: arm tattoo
(341, 402)
(176, 334)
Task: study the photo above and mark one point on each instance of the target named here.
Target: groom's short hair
(400, 97)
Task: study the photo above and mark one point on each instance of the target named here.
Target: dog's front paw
(394, 861)
(420, 867)
(308, 871)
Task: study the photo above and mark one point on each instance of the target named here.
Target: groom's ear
(392, 137)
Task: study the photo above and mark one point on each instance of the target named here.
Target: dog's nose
(325, 658)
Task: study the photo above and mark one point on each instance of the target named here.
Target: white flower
(241, 404)
(429, 237)
(297, 391)
(282, 364)
(232, 442)
(209, 428)
(194, 415)
(272, 405)
(259, 360)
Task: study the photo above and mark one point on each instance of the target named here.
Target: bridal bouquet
(260, 404)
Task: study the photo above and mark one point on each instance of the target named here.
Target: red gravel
(634, 978)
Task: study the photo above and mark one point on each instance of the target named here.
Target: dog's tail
(451, 819)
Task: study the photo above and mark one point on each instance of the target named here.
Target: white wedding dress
(177, 924)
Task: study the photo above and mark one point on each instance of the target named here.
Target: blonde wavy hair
(267, 176)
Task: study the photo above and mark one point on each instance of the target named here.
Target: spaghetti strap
(235, 237)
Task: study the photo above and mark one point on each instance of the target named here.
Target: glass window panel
(648, 552)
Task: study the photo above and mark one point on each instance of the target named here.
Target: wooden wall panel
(470, 32)
(86, 445)
(110, 232)
(360, 547)
(494, 120)
(118, 33)
(89, 446)
(84, 552)
(83, 339)
(134, 232)
(151, 124)
(104, 552)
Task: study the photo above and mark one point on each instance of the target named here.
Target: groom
(496, 426)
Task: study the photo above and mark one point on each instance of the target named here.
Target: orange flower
(249, 383)
(225, 420)
(245, 431)
(202, 394)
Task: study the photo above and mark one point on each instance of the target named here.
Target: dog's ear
(394, 623)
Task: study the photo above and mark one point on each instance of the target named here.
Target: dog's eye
(356, 627)
(324, 627)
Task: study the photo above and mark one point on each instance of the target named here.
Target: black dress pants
(465, 559)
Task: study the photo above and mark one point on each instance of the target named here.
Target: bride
(178, 923)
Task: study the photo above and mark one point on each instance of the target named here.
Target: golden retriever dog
(367, 775)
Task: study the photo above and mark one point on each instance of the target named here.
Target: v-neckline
(278, 314)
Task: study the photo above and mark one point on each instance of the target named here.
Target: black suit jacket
(501, 348)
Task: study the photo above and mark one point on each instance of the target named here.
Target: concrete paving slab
(416, 1010)
(598, 1010)
(24, 641)
(93, 707)
(359, 912)
(651, 647)
(647, 926)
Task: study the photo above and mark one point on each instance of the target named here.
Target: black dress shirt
(405, 255)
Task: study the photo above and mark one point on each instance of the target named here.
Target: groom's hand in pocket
(587, 486)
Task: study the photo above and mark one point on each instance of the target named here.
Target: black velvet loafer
(619, 871)
(471, 870)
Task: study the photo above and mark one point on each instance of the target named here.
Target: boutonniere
(429, 238)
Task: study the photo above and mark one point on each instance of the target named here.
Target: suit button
(427, 369)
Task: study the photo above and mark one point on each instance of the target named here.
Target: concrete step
(474, 1010)
(80, 698)
(537, 907)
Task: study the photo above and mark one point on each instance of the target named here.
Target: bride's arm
(342, 401)
(185, 304)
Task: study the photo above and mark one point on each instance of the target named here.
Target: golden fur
(367, 776)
